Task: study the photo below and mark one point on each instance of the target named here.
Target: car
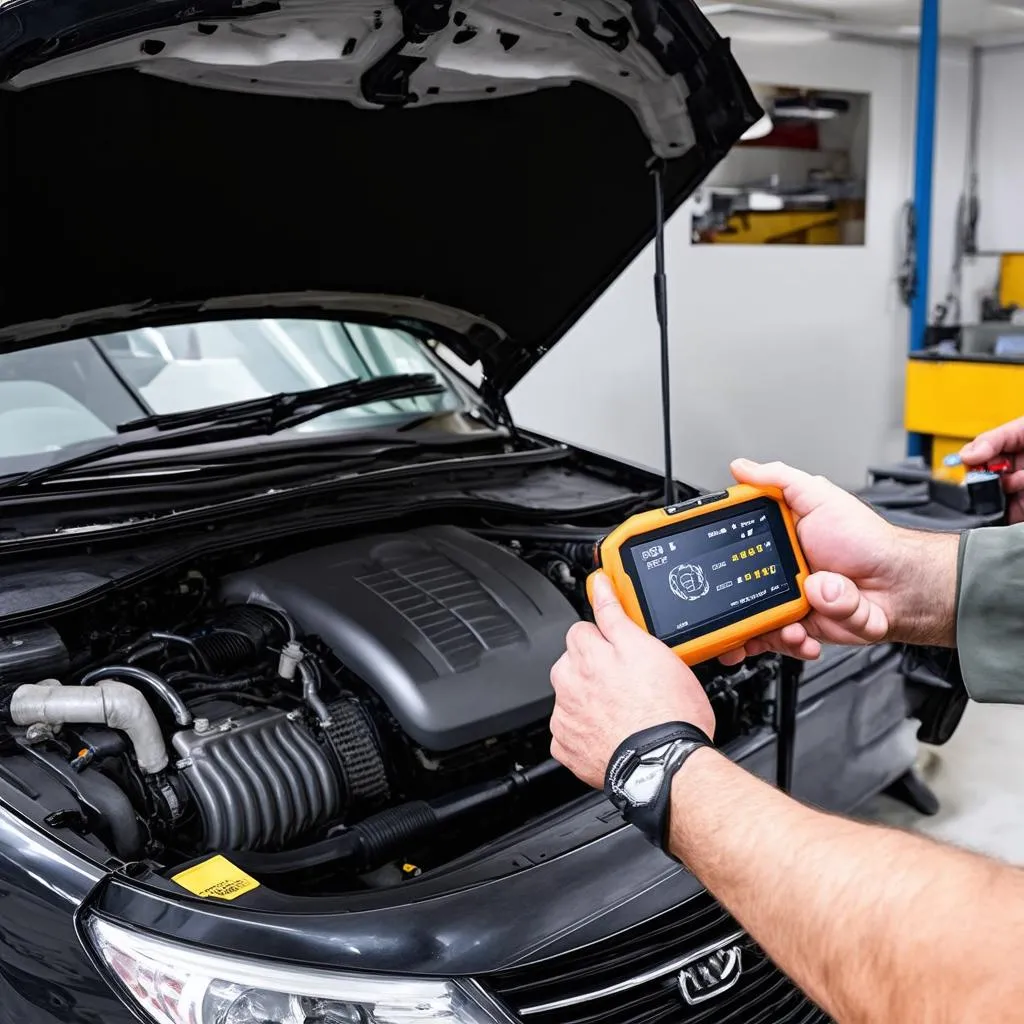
(283, 580)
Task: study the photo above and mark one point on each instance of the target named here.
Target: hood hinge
(387, 82)
(494, 398)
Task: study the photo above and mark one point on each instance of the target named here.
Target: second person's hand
(870, 581)
(1007, 442)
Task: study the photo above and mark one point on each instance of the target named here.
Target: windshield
(61, 395)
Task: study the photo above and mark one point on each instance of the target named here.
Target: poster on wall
(799, 177)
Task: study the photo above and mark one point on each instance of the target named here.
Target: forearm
(924, 600)
(874, 925)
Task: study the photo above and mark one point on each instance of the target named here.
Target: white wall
(1001, 152)
(788, 352)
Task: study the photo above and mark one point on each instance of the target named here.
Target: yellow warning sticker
(217, 878)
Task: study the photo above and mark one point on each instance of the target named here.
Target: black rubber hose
(212, 684)
(239, 635)
(384, 836)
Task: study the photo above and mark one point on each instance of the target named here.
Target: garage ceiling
(986, 22)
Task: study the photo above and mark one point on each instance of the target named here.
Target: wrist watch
(639, 777)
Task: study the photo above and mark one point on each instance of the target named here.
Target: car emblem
(712, 975)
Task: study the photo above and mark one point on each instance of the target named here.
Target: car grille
(632, 978)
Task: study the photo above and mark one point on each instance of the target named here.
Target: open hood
(477, 167)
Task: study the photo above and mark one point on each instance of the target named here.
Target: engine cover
(456, 635)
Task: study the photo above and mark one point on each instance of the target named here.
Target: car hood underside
(491, 157)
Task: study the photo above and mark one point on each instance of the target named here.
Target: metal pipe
(144, 647)
(108, 702)
(924, 160)
(187, 643)
(151, 680)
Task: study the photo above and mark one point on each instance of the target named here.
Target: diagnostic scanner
(708, 574)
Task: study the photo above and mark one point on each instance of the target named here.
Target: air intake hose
(117, 705)
(239, 636)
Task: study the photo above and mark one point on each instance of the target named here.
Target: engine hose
(225, 649)
(109, 702)
(240, 635)
(383, 837)
(186, 682)
(153, 682)
(154, 642)
(311, 692)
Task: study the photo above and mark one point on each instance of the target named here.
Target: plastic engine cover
(456, 635)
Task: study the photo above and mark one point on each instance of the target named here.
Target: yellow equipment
(953, 398)
(783, 228)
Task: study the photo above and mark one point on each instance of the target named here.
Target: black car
(281, 586)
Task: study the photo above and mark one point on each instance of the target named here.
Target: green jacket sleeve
(990, 613)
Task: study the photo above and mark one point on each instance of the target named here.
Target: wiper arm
(289, 409)
(259, 416)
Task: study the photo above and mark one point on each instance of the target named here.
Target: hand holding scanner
(708, 574)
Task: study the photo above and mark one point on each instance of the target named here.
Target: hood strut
(661, 309)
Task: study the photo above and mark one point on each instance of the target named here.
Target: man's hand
(870, 581)
(614, 680)
(1006, 442)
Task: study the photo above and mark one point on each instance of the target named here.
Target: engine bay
(332, 714)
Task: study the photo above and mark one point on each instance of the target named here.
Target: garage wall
(1001, 151)
(788, 352)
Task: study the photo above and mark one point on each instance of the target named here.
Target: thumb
(831, 595)
(1007, 439)
(981, 449)
(802, 491)
(609, 614)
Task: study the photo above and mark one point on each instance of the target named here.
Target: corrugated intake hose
(108, 702)
(383, 837)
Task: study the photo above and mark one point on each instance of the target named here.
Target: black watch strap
(639, 777)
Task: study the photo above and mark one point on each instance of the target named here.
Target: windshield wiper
(254, 418)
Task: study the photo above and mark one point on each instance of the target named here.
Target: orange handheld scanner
(708, 574)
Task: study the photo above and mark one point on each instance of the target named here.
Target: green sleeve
(990, 613)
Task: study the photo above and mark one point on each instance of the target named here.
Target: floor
(979, 779)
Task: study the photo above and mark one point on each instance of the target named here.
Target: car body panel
(46, 976)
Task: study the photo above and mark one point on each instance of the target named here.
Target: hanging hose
(964, 242)
(906, 279)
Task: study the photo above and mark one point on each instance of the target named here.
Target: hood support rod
(657, 166)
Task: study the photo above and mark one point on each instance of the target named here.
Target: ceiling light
(809, 108)
(777, 35)
(760, 130)
(762, 10)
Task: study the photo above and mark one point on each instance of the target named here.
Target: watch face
(640, 784)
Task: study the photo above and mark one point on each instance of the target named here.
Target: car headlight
(177, 984)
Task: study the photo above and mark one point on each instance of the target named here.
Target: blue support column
(924, 162)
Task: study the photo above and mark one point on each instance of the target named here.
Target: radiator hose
(384, 836)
